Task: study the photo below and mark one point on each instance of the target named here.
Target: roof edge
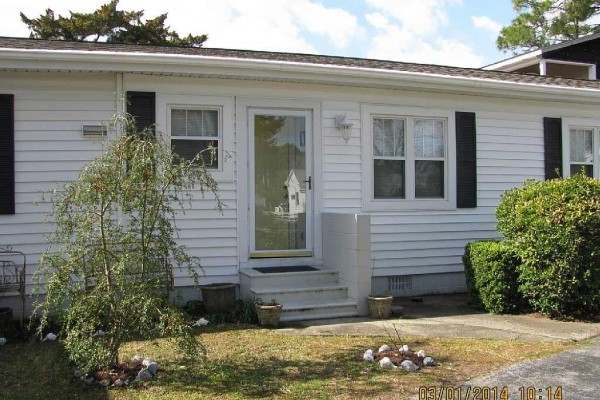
(97, 61)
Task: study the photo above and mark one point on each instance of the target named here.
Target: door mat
(278, 270)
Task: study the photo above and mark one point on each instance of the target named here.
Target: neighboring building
(577, 59)
(398, 166)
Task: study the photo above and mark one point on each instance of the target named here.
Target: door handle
(309, 181)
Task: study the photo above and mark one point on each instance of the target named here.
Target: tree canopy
(110, 25)
(542, 23)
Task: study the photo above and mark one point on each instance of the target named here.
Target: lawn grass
(247, 362)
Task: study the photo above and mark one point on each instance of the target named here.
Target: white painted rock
(51, 337)
(137, 360)
(409, 366)
(386, 363)
(385, 347)
(105, 382)
(153, 367)
(2, 341)
(429, 362)
(99, 333)
(147, 361)
(421, 353)
(201, 322)
(368, 356)
(118, 383)
(143, 375)
(405, 348)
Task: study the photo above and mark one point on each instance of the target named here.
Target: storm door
(280, 183)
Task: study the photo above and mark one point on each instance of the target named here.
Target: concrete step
(302, 294)
(289, 279)
(333, 309)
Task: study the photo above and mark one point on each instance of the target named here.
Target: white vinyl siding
(433, 242)
(51, 109)
(50, 148)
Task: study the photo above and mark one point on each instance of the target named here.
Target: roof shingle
(428, 69)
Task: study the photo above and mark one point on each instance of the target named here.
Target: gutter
(242, 68)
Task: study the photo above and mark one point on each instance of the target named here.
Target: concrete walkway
(449, 316)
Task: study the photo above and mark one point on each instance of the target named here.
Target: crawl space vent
(399, 284)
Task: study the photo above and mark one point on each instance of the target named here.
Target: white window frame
(218, 138)
(409, 114)
(592, 124)
(226, 138)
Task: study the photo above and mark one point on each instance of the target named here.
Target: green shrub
(491, 272)
(554, 226)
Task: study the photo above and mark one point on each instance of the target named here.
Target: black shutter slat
(466, 160)
(7, 154)
(142, 107)
(553, 147)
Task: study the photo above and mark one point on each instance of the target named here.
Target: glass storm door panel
(281, 183)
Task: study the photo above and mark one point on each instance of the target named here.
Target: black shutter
(466, 160)
(7, 154)
(553, 147)
(142, 106)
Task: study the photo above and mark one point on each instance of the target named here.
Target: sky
(447, 32)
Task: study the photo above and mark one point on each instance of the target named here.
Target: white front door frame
(244, 107)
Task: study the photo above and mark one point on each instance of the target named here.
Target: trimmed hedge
(554, 226)
(491, 272)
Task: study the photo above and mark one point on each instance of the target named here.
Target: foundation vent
(401, 283)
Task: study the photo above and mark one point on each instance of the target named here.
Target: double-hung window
(581, 146)
(407, 162)
(581, 151)
(196, 131)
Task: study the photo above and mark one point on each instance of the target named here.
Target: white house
(391, 197)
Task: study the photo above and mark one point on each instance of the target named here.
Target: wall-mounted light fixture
(94, 130)
(345, 127)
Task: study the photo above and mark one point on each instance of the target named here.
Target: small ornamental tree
(115, 249)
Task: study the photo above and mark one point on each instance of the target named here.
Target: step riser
(332, 312)
(307, 297)
(267, 281)
(304, 295)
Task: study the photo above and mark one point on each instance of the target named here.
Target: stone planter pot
(268, 314)
(380, 306)
(218, 297)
